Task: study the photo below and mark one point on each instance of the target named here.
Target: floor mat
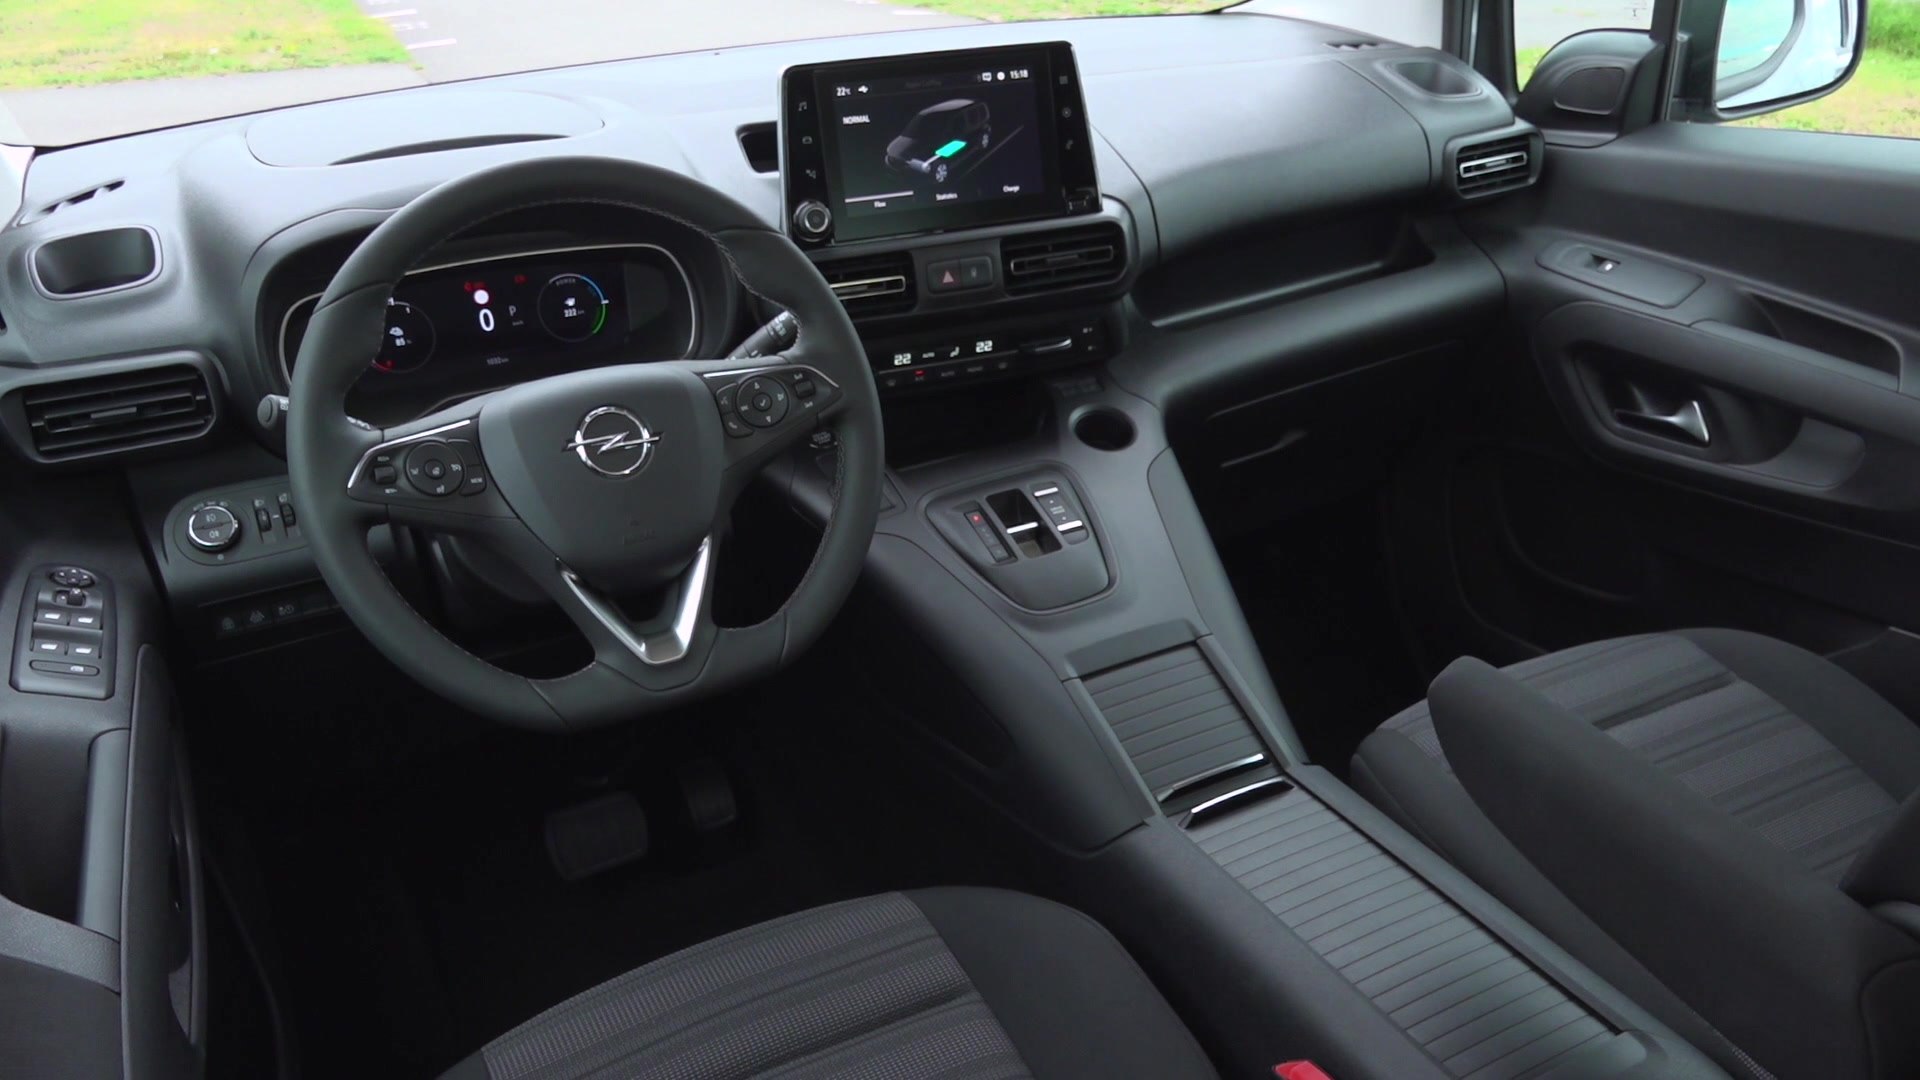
(420, 915)
(1315, 593)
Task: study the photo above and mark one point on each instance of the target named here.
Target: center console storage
(1099, 683)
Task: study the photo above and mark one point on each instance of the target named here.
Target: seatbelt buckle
(1300, 1070)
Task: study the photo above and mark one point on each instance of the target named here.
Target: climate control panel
(996, 351)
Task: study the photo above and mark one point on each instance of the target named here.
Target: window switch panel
(63, 643)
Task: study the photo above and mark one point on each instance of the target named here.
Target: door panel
(1707, 410)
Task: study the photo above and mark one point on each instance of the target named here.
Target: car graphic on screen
(938, 137)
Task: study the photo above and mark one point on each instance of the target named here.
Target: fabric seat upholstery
(1783, 743)
(969, 984)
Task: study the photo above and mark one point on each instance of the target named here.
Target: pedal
(596, 836)
(708, 795)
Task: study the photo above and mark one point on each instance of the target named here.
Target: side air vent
(107, 414)
(873, 285)
(1490, 168)
(72, 200)
(761, 146)
(1356, 45)
(1069, 258)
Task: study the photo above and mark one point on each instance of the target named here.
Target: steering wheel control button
(213, 528)
(434, 468)
(476, 474)
(71, 577)
(763, 401)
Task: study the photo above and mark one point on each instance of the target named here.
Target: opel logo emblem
(614, 442)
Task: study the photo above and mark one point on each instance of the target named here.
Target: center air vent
(1490, 168)
(1069, 258)
(107, 414)
(873, 284)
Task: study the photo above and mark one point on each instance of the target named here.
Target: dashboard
(460, 329)
(998, 207)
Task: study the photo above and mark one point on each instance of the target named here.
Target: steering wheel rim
(522, 441)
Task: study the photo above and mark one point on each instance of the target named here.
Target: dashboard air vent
(1069, 258)
(1490, 168)
(761, 145)
(72, 200)
(874, 284)
(108, 414)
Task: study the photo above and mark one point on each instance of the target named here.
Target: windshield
(77, 70)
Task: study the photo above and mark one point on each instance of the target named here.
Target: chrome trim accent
(1022, 527)
(1070, 526)
(1220, 800)
(643, 437)
(736, 373)
(1476, 167)
(33, 268)
(1041, 493)
(853, 290)
(359, 466)
(668, 645)
(693, 300)
(1217, 771)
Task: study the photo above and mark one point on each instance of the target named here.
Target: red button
(1300, 1070)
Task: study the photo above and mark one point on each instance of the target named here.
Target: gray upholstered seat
(968, 984)
(1707, 817)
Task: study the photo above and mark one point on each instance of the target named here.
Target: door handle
(1688, 422)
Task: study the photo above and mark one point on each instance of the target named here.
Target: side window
(1539, 25)
(1773, 63)
(1882, 97)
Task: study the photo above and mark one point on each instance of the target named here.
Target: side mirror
(1775, 53)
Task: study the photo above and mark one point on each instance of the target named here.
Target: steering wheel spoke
(766, 407)
(674, 635)
(431, 473)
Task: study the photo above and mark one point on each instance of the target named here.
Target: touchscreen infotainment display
(949, 137)
(936, 141)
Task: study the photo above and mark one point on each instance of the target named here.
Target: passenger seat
(1722, 824)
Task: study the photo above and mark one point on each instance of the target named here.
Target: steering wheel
(600, 484)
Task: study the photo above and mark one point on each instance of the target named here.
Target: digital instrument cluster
(453, 331)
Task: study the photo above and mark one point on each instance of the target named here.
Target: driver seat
(955, 983)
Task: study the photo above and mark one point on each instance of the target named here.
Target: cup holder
(96, 262)
(1104, 429)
